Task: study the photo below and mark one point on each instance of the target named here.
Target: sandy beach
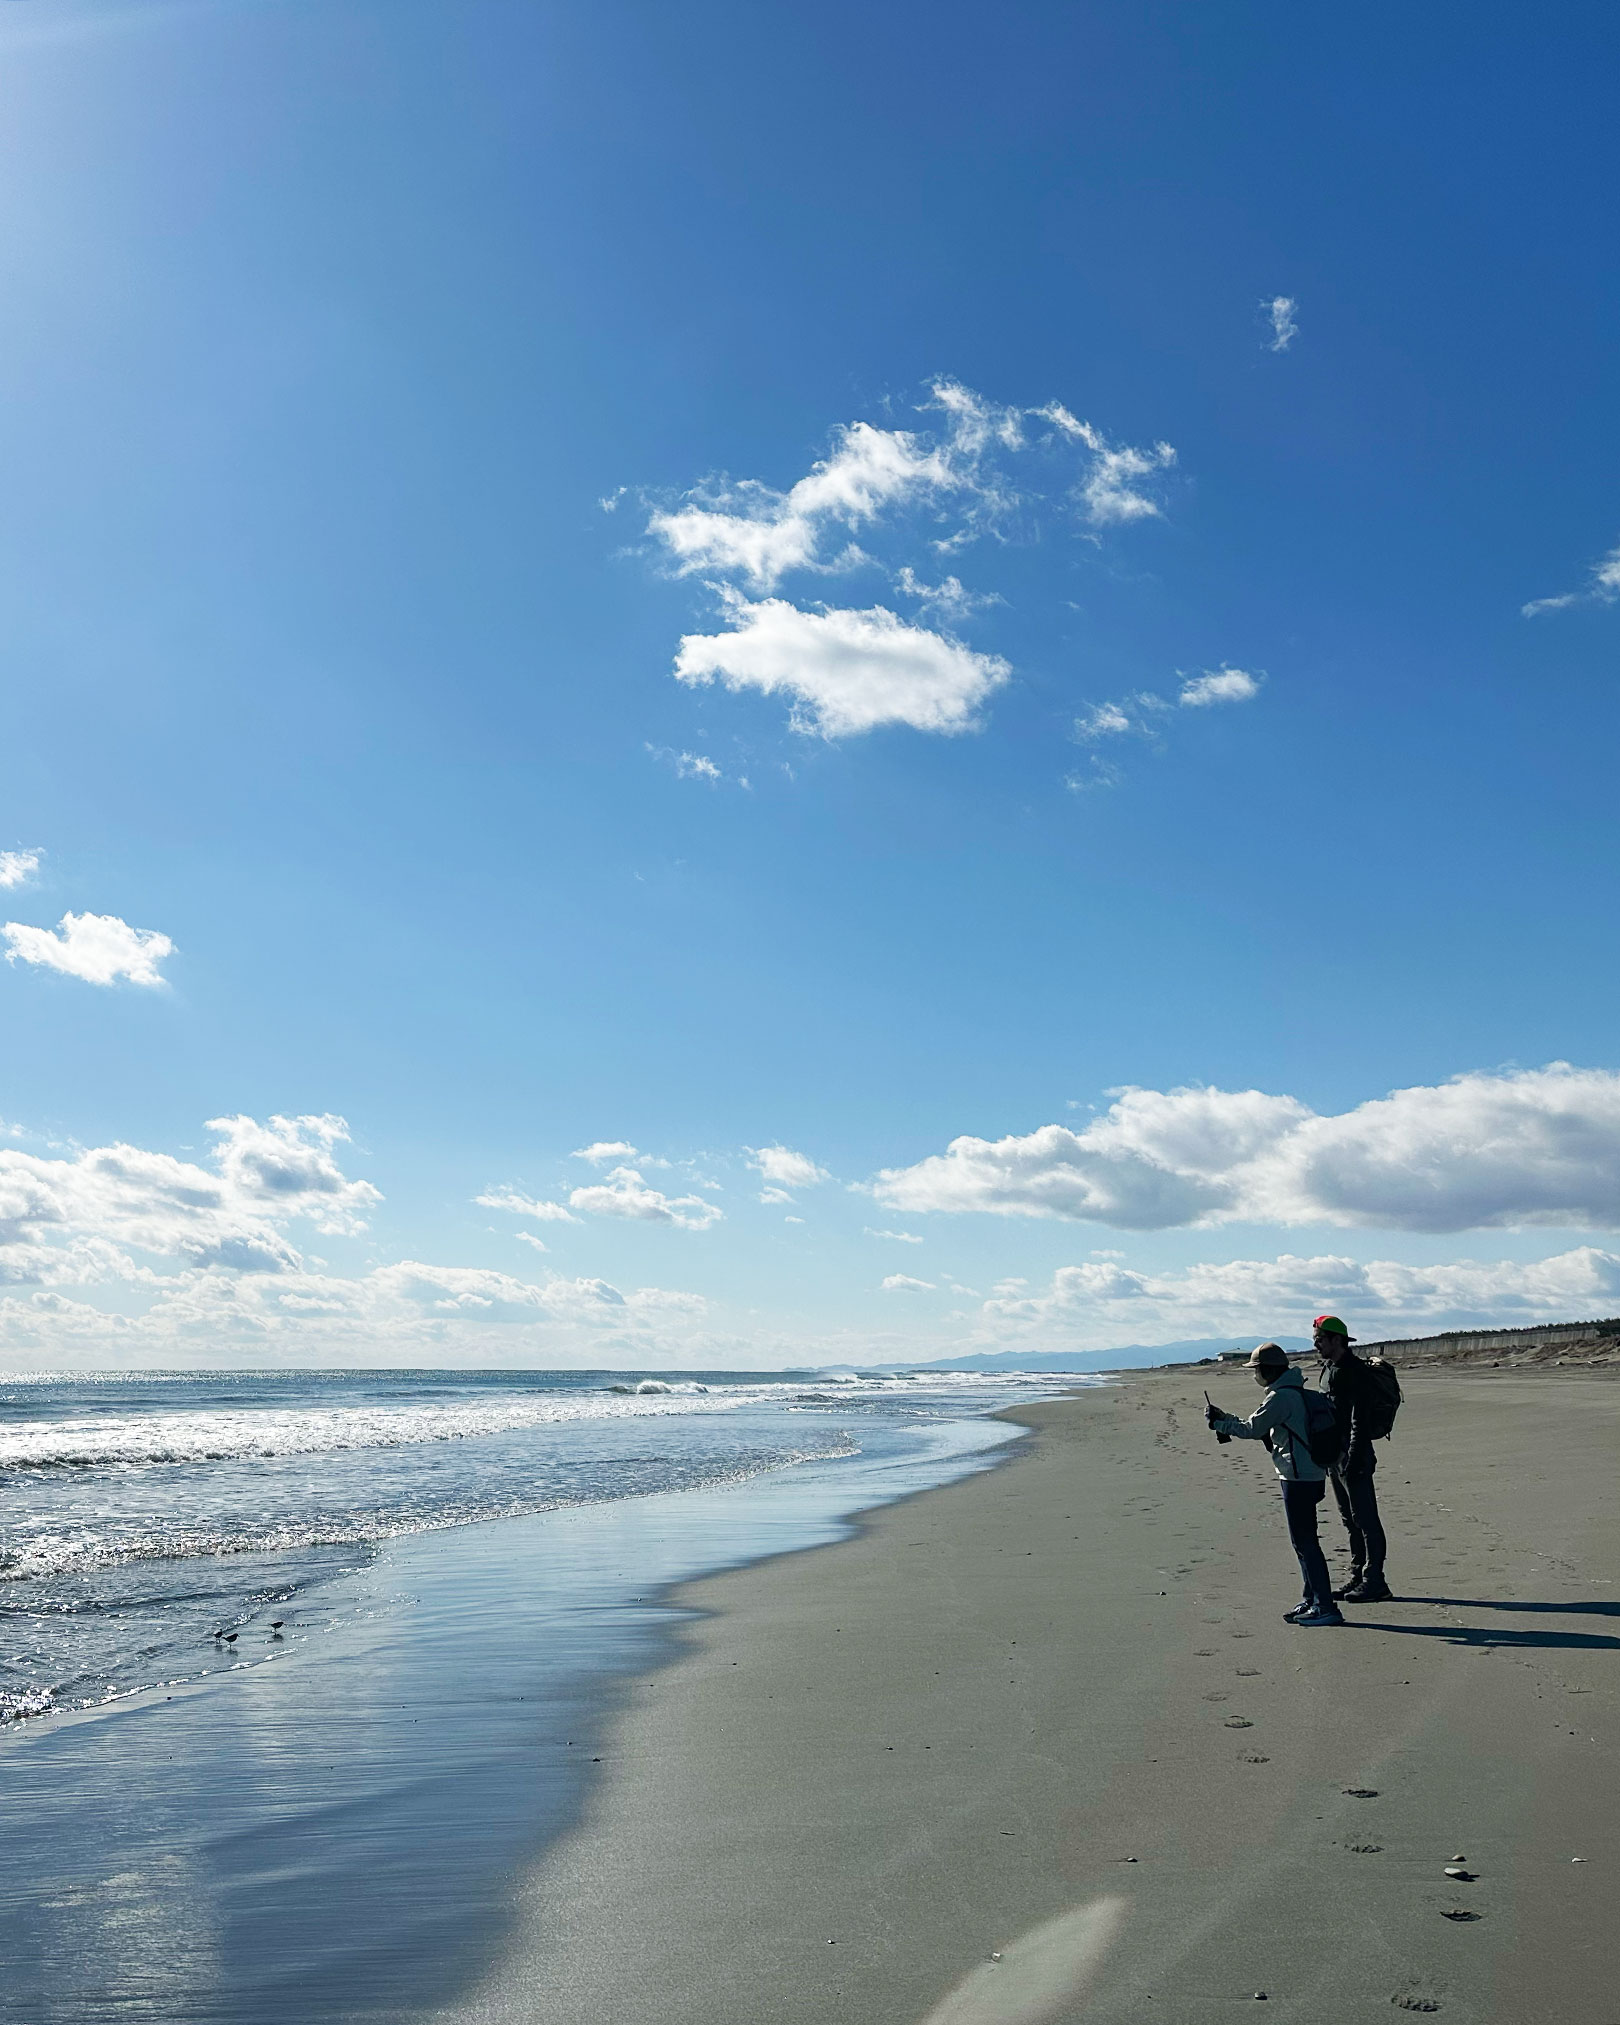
(1038, 1745)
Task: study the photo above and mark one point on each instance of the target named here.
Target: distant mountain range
(1128, 1357)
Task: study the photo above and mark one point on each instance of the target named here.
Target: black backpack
(1324, 1433)
(1383, 1396)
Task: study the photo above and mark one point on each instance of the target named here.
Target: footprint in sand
(1360, 1792)
(1365, 1848)
(1203, 1652)
(1411, 2003)
(1247, 1672)
(1461, 1915)
(1215, 1698)
(1238, 1723)
(1253, 1758)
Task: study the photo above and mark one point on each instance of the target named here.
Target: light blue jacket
(1279, 1421)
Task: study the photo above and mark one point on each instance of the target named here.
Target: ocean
(300, 1670)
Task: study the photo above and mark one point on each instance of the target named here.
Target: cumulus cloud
(17, 867)
(625, 1194)
(784, 1168)
(1220, 685)
(849, 669)
(516, 1204)
(903, 1283)
(601, 1151)
(86, 1210)
(1280, 312)
(96, 947)
(845, 671)
(1603, 589)
(747, 530)
(1482, 1151)
(1098, 1304)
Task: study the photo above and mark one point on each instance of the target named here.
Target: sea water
(329, 1819)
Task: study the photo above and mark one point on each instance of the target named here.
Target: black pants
(1358, 1507)
(1299, 1503)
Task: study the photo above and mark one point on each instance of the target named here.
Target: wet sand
(1051, 1715)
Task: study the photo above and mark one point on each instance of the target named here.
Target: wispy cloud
(1146, 714)
(1483, 1151)
(1112, 489)
(99, 948)
(845, 671)
(901, 1237)
(17, 867)
(949, 598)
(785, 1167)
(516, 1204)
(903, 1283)
(688, 765)
(1603, 589)
(1280, 312)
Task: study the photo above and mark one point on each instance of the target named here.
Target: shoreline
(336, 1834)
(873, 1768)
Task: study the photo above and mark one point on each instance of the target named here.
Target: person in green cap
(1360, 1406)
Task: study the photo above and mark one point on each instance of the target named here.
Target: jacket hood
(1292, 1376)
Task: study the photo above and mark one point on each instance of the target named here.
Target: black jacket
(1353, 1390)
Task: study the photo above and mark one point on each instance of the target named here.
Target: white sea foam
(224, 1433)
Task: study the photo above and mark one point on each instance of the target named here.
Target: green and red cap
(1330, 1325)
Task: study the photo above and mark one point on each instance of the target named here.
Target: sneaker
(1349, 1588)
(1299, 1610)
(1308, 1620)
(1370, 1591)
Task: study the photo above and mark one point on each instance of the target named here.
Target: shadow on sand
(1549, 1609)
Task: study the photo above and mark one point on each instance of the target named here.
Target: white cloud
(1603, 589)
(1100, 1304)
(601, 1151)
(951, 598)
(750, 531)
(96, 947)
(1220, 685)
(1111, 490)
(689, 765)
(1284, 323)
(899, 1237)
(625, 1194)
(903, 1283)
(784, 1168)
(1146, 714)
(846, 671)
(81, 1211)
(515, 1204)
(16, 867)
(1103, 720)
(1519, 1148)
(527, 1237)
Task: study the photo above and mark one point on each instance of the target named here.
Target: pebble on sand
(1457, 1871)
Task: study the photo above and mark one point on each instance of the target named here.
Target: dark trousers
(1300, 1502)
(1358, 1507)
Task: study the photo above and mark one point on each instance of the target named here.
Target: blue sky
(367, 373)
